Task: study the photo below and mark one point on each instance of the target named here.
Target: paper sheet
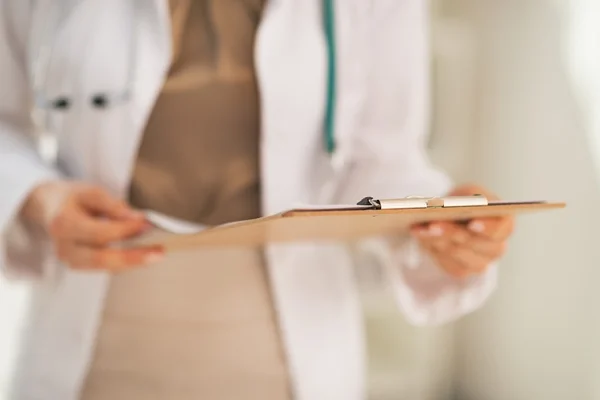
(173, 225)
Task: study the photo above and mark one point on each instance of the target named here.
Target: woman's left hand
(466, 249)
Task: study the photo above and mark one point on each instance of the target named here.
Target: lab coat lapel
(152, 63)
(313, 286)
(69, 336)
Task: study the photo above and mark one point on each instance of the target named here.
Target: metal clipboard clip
(412, 202)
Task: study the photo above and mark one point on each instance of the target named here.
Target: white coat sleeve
(424, 292)
(390, 160)
(22, 253)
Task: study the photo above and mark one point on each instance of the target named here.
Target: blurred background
(516, 108)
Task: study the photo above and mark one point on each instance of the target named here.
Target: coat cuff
(24, 252)
(423, 291)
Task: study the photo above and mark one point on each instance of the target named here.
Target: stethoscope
(43, 106)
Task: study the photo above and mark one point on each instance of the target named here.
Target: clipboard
(342, 223)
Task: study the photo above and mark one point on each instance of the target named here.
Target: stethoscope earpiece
(104, 101)
(61, 103)
(44, 105)
(100, 101)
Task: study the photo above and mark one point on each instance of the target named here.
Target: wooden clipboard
(369, 218)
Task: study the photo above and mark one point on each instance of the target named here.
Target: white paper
(508, 202)
(173, 225)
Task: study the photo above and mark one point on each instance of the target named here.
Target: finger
(470, 190)
(451, 233)
(87, 257)
(103, 203)
(78, 227)
(469, 260)
(453, 268)
(487, 248)
(435, 231)
(123, 258)
(429, 230)
(449, 265)
(99, 232)
(499, 228)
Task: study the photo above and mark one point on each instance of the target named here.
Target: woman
(156, 105)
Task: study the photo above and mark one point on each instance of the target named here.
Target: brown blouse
(198, 160)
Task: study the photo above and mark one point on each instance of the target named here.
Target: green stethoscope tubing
(329, 27)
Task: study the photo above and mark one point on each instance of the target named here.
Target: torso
(201, 324)
(316, 298)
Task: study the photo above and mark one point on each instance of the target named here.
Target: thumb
(99, 201)
(470, 190)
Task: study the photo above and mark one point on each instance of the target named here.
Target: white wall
(537, 338)
(409, 362)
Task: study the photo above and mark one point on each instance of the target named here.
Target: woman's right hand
(84, 221)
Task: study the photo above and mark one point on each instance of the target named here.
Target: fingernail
(435, 230)
(134, 214)
(154, 258)
(476, 226)
(147, 226)
(418, 231)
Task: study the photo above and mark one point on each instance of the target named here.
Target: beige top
(201, 325)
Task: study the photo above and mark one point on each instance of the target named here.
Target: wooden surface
(303, 226)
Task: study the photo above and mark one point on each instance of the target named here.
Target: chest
(123, 49)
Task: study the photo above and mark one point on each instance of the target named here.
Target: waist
(201, 323)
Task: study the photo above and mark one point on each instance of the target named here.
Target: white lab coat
(381, 121)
